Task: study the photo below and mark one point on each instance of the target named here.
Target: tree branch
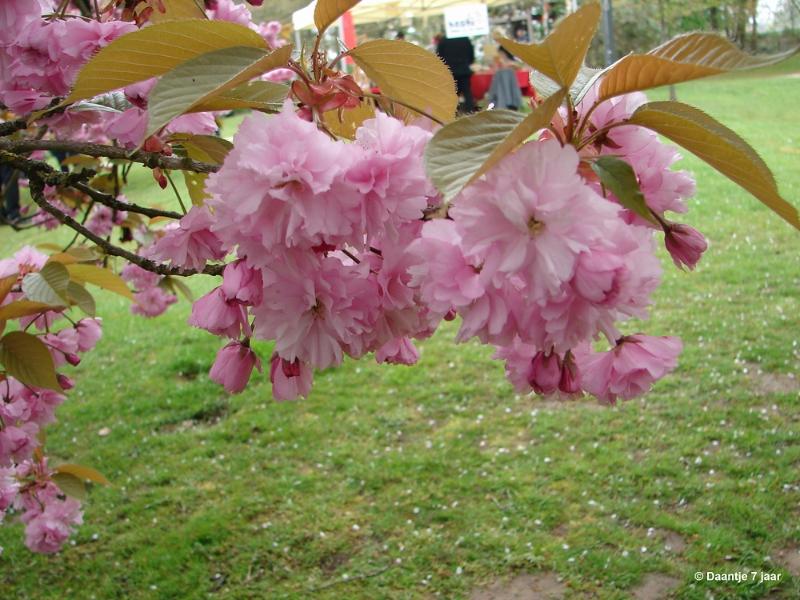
(76, 180)
(37, 193)
(10, 127)
(149, 159)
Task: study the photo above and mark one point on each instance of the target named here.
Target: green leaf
(70, 485)
(155, 50)
(26, 358)
(203, 148)
(48, 286)
(83, 473)
(684, 58)
(203, 77)
(410, 75)
(259, 95)
(619, 177)
(327, 11)
(720, 147)
(100, 277)
(560, 55)
(79, 296)
(465, 149)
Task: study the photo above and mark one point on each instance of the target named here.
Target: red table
(482, 81)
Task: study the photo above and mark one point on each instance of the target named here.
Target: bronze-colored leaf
(176, 10)
(6, 285)
(409, 75)
(26, 358)
(344, 125)
(22, 308)
(720, 147)
(72, 486)
(684, 58)
(560, 55)
(327, 11)
(100, 277)
(155, 50)
(83, 473)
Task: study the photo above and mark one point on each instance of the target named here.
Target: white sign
(466, 20)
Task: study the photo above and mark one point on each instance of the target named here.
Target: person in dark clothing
(9, 208)
(458, 54)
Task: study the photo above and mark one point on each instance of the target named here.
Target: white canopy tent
(374, 11)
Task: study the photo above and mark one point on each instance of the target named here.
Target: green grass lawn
(438, 481)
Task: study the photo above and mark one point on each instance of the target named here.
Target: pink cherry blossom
(219, 315)
(140, 278)
(89, 332)
(399, 351)
(630, 368)
(545, 373)
(17, 443)
(191, 243)
(315, 306)
(390, 173)
(290, 379)
(47, 532)
(446, 278)
(282, 185)
(152, 302)
(233, 366)
(242, 283)
(15, 15)
(228, 10)
(520, 218)
(128, 127)
(9, 487)
(102, 219)
(663, 188)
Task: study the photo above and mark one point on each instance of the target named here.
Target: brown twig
(149, 159)
(37, 193)
(10, 127)
(77, 180)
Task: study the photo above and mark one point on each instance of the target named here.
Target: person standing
(9, 194)
(459, 54)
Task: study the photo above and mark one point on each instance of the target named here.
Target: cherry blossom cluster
(27, 488)
(337, 255)
(40, 56)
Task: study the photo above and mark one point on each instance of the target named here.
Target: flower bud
(545, 373)
(233, 366)
(685, 245)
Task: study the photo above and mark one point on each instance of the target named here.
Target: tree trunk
(713, 18)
